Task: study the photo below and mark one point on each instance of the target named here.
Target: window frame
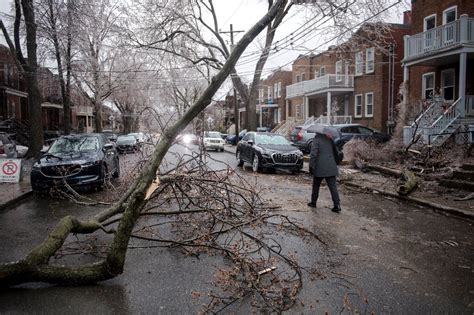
(426, 18)
(279, 89)
(452, 8)
(322, 71)
(442, 86)
(359, 63)
(423, 84)
(366, 105)
(358, 105)
(369, 62)
(338, 71)
(269, 93)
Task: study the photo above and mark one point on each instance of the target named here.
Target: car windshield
(271, 139)
(212, 134)
(126, 140)
(75, 144)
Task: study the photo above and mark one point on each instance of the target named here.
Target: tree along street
(382, 256)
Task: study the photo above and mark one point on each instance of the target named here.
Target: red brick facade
(443, 62)
(275, 84)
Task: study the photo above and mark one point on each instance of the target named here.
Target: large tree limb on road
(34, 267)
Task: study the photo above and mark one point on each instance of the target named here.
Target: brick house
(353, 82)
(436, 64)
(271, 108)
(13, 95)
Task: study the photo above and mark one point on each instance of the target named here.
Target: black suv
(268, 150)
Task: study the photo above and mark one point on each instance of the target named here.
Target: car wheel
(240, 162)
(102, 177)
(116, 174)
(255, 164)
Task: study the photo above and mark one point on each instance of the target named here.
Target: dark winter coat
(322, 157)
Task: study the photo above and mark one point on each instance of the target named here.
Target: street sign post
(10, 170)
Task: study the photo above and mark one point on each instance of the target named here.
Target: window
(358, 105)
(428, 85)
(447, 84)
(369, 104)
(302, 77)
(429, 37)
(279, 89)
(429, 22)
(260, 95)
(298, 79)
(449, 15)
(364, 130)
(369, 60)
(339, 71)
(359, 63)
(275, 90)
(322, 71)
(269, 92)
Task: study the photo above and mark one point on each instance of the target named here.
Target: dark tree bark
(31, 67)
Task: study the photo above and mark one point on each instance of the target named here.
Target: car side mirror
(250, 142)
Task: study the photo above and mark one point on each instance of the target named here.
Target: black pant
(331, 182)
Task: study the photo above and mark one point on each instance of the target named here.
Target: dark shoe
(312, 204)
(336, 208)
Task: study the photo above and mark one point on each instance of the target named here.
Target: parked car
(302, 138)
(232, 139)
(264, 129)
(9, 148)
(140, 136)
(269, 151)
(110, 135)
(212, 140)
(127, 143)
(83, 160)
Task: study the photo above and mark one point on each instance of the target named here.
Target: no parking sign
(10, 170)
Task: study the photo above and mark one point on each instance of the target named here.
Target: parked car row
(302, 137)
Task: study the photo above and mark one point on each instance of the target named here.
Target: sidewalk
(428, 194)
(11, 193)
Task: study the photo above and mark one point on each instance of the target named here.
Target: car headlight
(91, 163)
(36, 166)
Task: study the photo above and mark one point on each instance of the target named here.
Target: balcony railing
(84, 110)
(440, 38)
(329, 81)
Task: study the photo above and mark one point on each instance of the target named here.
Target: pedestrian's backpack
(338, 154)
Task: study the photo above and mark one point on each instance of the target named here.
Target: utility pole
(236, 104)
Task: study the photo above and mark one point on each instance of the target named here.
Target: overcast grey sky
(243, 14)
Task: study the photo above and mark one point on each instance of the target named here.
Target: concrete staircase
(463, 178)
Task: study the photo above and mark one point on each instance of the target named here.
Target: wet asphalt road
(382, 256)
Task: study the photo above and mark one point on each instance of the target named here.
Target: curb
(454, 211)
(15, 200)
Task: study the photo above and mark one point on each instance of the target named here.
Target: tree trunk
(251, 104)
(34, 95)
(98, 116)
(57, 52)
(127, 122)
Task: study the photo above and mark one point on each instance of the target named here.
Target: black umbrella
(327, 130)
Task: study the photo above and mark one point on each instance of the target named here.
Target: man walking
(323, 163)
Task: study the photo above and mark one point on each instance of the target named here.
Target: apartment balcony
(82, 110)
(327, 83)
(440, 40)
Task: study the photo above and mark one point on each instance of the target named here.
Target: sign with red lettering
(10, 170)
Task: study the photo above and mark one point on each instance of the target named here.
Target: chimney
(407, 17)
